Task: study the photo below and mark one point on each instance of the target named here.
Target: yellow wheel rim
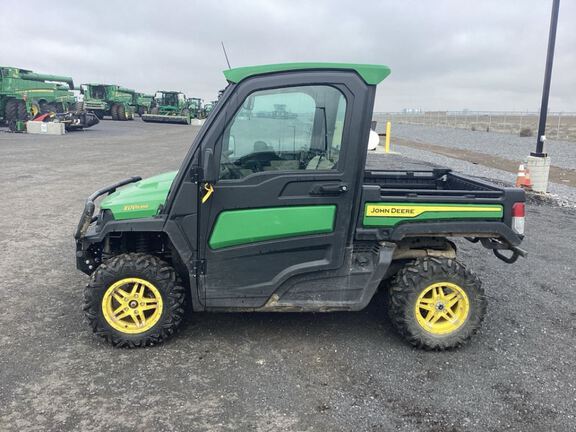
(132, 305)
(442, 308)
(34, 110)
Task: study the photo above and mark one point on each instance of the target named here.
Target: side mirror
(209, 172)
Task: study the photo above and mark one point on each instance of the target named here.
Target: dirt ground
(260, 372)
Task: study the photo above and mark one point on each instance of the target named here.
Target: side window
(286, 129)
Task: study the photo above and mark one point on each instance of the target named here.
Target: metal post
(547, 79)
(387, 142)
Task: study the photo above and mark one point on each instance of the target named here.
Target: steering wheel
(228, 170)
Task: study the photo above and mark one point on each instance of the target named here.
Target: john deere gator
(109, 100)
(170, 107)
(281, 214)
(24, 93)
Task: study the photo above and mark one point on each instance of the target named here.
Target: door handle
(329, 189)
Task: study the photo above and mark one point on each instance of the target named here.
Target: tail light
(518, 217)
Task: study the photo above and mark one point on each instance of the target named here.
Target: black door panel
(322, 174)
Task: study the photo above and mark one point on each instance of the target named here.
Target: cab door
(280, 216)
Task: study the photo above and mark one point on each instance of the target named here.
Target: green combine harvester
(142, 103)
(24, 94)
(170, 107)
(109, 100)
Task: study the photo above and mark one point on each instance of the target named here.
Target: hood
(140, 199)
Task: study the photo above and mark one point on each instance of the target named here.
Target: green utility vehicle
(142, 103)
(108, 100)
(24, 94)
(280, 214)
(170, 107)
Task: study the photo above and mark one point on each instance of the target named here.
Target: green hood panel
(140, 199)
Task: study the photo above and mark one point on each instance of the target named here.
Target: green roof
(372, 74)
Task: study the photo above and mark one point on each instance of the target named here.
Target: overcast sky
(444, 54)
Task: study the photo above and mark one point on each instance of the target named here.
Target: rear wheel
(134, 300)
(436, 303)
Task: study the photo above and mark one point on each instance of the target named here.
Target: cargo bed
(422, 200)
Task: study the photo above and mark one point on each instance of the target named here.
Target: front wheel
(436, 303)
(134, 300)
(121, 113)
(114, 112)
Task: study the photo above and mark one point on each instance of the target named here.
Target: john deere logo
(131, 207)
(390, 211)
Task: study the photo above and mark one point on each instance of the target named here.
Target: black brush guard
(87, 214)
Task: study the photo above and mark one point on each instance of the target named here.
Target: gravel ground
(562, 153)
(564, 195)
(260, 372)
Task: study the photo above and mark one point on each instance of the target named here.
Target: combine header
(171, 107)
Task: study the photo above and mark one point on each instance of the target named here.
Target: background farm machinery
(172, 107)
(25, 94)
(109, 100)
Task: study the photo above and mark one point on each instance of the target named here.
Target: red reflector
(518, 209)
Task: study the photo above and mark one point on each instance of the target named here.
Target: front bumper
(88, 255)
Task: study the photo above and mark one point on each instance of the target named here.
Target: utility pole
(538, 161)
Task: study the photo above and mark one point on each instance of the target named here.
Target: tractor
(196, 108)
(170, 107)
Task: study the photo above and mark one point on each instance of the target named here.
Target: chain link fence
(560, 125)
